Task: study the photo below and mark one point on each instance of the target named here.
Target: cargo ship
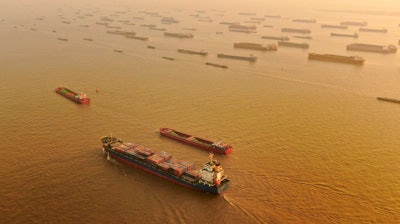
(216, 147)
(337, 58)
(283, 38)
(73, 96)
(292, 44)
(388, 99)
(202, 53)
(178, 35)
(210, 178)
(253, 46)
(372, 48)
(293, 30)
(354, 35)
(249, 58)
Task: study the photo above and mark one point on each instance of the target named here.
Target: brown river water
(312, 142)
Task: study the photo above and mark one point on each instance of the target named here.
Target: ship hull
(206, 145)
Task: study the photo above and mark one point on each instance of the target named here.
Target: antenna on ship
(211, 156)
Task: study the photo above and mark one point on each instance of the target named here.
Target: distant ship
(337, 58)
(354, 35)
(388, 99)
(293, 30)
(121, 32)
(249, 58)
(334, 26)
(217, 147)
(252, 46)
(210, 178)
(304, 20)
(178, 35)
(283, 38)
(73, 96)
(203, 53)
(353, 23)
(381, 30)
(292, 44)
(137, 37)
(372, 48)
(216, 65)
(169, 20)
(303, 37)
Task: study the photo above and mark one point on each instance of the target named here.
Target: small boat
(217, 147)
(168, 58)
(73, 96)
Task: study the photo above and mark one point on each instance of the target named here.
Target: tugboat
(217, 147)
(210, 178)
(73, 96)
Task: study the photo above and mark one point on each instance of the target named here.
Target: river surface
(312, 142)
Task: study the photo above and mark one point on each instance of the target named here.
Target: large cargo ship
(354, 35)
(292, 44)
(217, 147)
(253, 46)
(337, 58)
(210, 178)
(249, 58)
(372, 48)
(178, 35)
(293, 30)
(203, 53)
(73, 96)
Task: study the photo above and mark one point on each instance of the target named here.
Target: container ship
(252, 46)
(354, 35)
(210, 178)
(249, 58)
(292, 44)
(216, 147)
(202, 53)
(293, 30)
(372, 48)
(73, 96)
(337, 58)
(178, 35)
